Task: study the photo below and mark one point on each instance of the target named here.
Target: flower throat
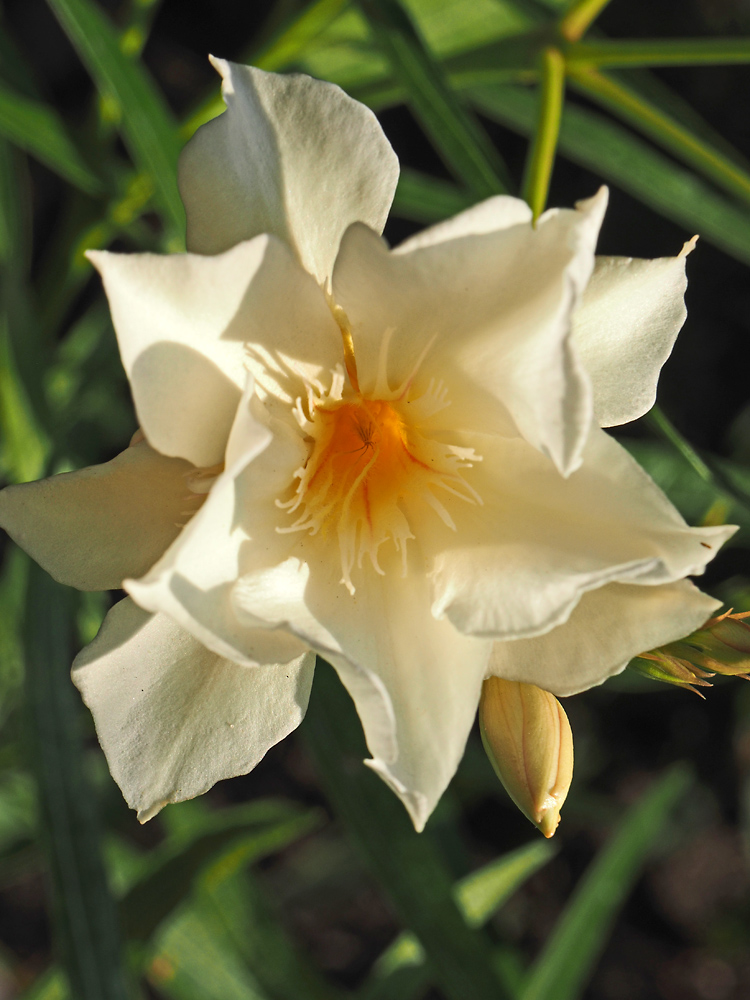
(372, 463)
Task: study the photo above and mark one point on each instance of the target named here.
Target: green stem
(579, 17)
(544, 144)
(659, 52)
(667, 132)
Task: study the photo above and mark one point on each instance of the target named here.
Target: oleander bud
(528, 740)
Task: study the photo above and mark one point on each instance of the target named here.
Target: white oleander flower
(393, 458)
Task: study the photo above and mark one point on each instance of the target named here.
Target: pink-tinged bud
(529, 742)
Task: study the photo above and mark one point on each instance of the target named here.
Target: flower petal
(186, 323)
(606, 630)
(92, 528)
(193, 582)
(518, 565)
(625, 328)
(489, 315)
(415, 680)
(291, 156)
(500, 212)
(174, 718)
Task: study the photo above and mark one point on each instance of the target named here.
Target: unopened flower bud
(722, 646)
(528, 740)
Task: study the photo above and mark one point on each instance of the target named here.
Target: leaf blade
(86, 916)
(147, 124)
(582, 930)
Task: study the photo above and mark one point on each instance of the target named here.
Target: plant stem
(541, 156)
(579, 17)
(659, 52)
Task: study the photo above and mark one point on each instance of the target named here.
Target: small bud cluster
(722, 646)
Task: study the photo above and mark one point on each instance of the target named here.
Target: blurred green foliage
(189, 911)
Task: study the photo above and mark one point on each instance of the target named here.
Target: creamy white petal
(188, 326)
(291, 156)
(415, 680)
(606, 630)
(92, 528)
(172, 717)
(500, 212)
(625, 328)
(193, 582)
(518, 565)
(487, 314)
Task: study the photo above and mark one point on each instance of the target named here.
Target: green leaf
(13, 577)
(36, 128)
(571, 952)
(342, 52)
(258, 936)
(194, 959)
(698, 500)
(482, 893)
(477, 896)
(664, 130)
(86, 918)
(148, 128)
(226, 922)
(251, 832)
(456, 134)
(426, 199)
(24, 446)
(618, 156)
(50, 986)
(407, 864)
(294, 38)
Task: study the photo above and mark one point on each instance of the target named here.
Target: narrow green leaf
(86, 918)
(621, 158)
(407, 864)
(725, 498)
(24, 417)
(38, 130)
(251, 831)
(484, 891)
(256, 933)
(13, 577)
(194, 959)
(24, 445)
(571, 952)
(457, 135)
(647, 118)
(292, 40)
(426, 199)
(659, 52)
(478, 896)
(148, 128)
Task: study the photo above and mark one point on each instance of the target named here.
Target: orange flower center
(369, 462)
